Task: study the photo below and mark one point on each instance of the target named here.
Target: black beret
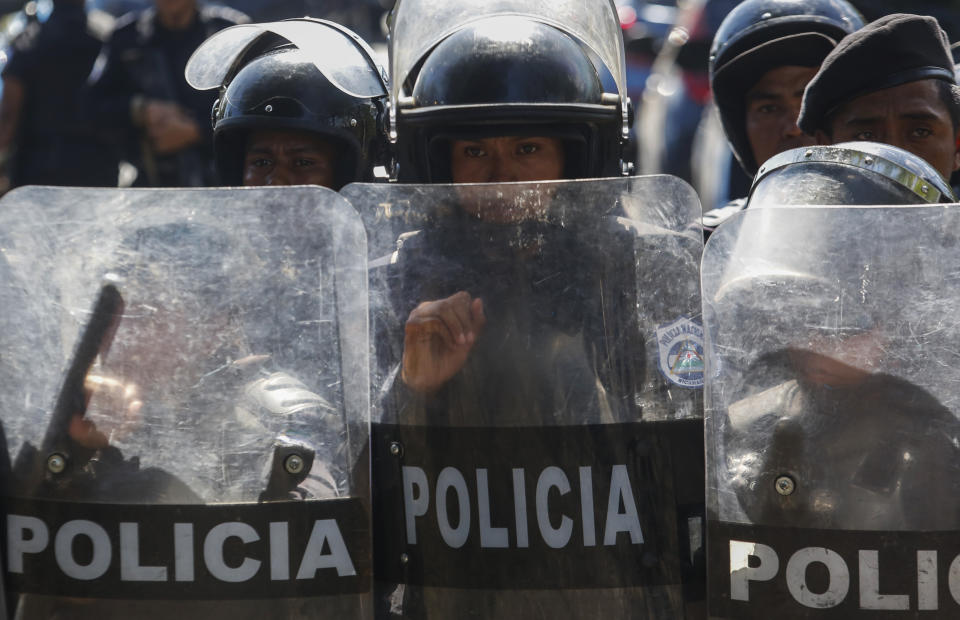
(894, 50)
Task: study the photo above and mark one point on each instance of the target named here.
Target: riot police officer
(893, 82)
(43, 138)
(478, 85)
(516, 281)
(762, 57)
(300, 102)
(139, 97)
(489, 108)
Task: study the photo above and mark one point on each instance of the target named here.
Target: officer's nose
(790, 127)
(502, 169)
(277, 176)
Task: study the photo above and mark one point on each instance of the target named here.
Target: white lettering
(586, 507)
(18, 543)
(953, 579)
(130, 568)
(520, 507)
(870, 597)
(837, 570)
(552, 477)
(741, 574)
(928, 599)
(627, 521)
(183, 551)
(325, 530)
(414, 506)
(102, 550)
(452, 478)
(490, 537)
(213, 552)
(279, 551)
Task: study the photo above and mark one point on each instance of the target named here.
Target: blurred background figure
(138, 93)
(43, 138)
(675, 129)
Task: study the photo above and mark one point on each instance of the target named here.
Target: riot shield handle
(59, 453)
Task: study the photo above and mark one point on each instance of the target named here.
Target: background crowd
(94, 94)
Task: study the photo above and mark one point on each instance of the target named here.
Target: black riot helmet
(306, 75)
(760, 35)
(509, 72)
(848, 173)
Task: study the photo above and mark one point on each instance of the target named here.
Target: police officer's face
(911, 116)
(773, 105)
(504, 159)
(283, 157)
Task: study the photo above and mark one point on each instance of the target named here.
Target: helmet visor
(593, 22)
(343, 59)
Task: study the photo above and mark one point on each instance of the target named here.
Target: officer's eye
(864, 135)
(474, 151)
(303, 162)
(527, 148)
(921, 132)
(768, 108)
(260, 162)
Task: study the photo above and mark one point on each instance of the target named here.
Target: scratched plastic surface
(586, 366)
(832, 407)
(238, 330)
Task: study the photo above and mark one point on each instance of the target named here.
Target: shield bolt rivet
(809, 153)
(396, 449)
(293, 464)
(868, 161)
(353, 122)
(785, 485)
(56, 463)
(924, 189)
(404, 558)
(268, 109)
(766, 16)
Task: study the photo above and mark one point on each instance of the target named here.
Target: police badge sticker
(680, 345)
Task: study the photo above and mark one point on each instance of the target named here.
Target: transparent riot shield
(833, 446)
(185, 404)
(537, 450)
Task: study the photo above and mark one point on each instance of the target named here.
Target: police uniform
(54, 143)
(145, 60)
